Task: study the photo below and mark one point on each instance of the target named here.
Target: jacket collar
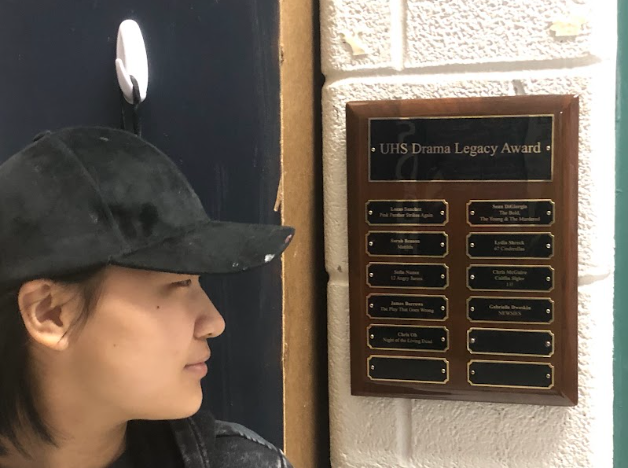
(196, 439)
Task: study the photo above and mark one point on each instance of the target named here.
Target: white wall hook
(131, 60)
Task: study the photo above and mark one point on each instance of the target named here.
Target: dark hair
(18, 411)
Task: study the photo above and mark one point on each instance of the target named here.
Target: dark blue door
(213, 104)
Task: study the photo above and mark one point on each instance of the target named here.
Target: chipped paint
(358, 49)
(568, 26)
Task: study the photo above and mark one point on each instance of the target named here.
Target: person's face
(142, 351)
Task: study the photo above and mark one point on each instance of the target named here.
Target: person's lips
(201, 360)
(198, 366)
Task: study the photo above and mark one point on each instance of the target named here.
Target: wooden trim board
(306, 433)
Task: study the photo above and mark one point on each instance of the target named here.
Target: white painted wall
(398, 49)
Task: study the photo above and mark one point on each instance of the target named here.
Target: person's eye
(184, 284)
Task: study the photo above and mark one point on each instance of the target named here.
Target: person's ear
(48, 312)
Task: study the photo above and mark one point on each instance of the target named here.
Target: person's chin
(185, 405)
(189, 405)
(193, 403)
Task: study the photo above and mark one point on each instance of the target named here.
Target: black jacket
(197, 442)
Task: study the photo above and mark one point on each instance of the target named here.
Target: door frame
(620, 371)
(306, 427)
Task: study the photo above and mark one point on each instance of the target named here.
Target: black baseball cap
(87, 196)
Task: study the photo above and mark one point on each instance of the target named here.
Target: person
(103, 321)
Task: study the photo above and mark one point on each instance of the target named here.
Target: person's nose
(209, 323)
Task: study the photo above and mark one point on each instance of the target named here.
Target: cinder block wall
(404, 49)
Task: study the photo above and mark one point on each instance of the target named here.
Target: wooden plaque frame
(458, 362)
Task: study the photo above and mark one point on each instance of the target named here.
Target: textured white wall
(398, 49)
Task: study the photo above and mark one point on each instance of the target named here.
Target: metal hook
(131, 112)
(131, 62)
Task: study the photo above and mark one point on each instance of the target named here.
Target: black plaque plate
(511, 342)
(511, 374)
(504, 148)
(407, 337)
(407, 307)
(507, 309)
(408, 369)
(520, 245)
(407, 244)
(406, 212)
(511, 213)
(510, 278)
(407, 275)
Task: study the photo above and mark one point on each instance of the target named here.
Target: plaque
(406, 212)
(510, 342)
(408, 369)
(462, 239)
(407, 275)
(407, 244)
(406, 307)
(461, 148)
(517, 245)
(408, 338)
(510, 212)
(510, 278)
(510, 309)
(511, 374)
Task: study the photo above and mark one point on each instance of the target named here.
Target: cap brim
(211, 248)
